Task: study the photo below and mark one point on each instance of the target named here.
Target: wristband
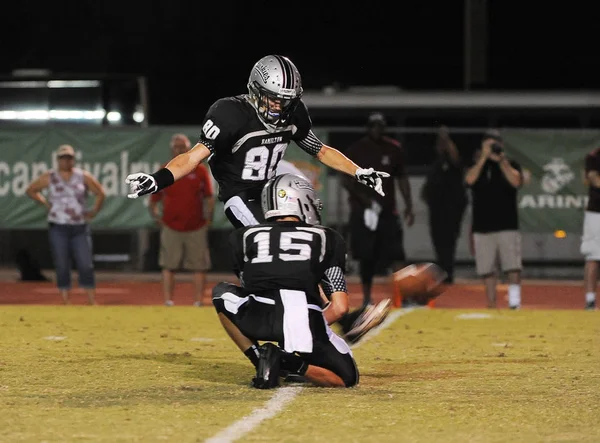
(163, 178)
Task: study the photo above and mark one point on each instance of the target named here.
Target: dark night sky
(194, 52)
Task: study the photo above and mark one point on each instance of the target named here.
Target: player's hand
(372, 178)
(140, 184)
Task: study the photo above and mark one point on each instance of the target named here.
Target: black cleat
(268, 369)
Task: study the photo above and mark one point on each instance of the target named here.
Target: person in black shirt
(376, 233)
(446, 198)
(494, 181)
(280, 264)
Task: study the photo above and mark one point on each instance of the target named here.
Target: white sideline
(285, 395)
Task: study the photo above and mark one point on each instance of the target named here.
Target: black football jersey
(245, 154)
(290, 255)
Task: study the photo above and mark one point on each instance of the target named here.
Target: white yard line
(285, 395)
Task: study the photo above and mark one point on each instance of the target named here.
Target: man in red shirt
(184, 226)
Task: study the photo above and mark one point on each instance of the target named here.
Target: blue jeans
(72, 242)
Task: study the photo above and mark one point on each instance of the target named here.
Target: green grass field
(155, 374)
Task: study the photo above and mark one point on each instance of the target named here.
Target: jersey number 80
(258, 166)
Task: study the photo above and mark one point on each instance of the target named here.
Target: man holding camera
(494, 181)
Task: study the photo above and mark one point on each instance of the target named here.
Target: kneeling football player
(280, 264)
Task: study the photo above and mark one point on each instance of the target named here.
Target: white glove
(140, 184)
(371, 216)
(372, 178)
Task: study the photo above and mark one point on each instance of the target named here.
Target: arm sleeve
(219, 126)
(334, 278)
(303, 134)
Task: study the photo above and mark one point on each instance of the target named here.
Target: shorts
(244, 209)
(186, 250)
(590, 240)
(385, 243)
(503, 244)
(285, 317)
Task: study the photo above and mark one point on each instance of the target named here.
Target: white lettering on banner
(124, 172)
(550, 201)
(110, 179)
(15, 178)
(4, 186)
(21, 178)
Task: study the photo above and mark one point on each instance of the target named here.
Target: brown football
(420, 282)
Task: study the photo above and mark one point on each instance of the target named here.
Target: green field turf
(156, 374)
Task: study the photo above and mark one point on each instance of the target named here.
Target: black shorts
(244, 209)
(386, 243)
(280, 316)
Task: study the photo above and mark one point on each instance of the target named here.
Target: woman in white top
(68, 218)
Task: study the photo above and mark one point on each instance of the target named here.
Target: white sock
(514, 295)
(590, 297)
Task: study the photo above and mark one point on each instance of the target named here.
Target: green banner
(553, 196)
(110, 154)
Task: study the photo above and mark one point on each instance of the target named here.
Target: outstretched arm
(141, 183)
(336, 160)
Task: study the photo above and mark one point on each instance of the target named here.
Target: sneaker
(515, 307)
(590, 306)
(372, 317)
(197, 304)
(169, 303)
(267, 371)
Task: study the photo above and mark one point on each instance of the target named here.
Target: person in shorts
(494, 181)
(184, 225)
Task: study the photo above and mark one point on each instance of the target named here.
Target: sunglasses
(66, 157)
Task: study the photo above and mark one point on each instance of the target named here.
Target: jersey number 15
(293, 245)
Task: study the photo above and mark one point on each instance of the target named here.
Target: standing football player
(280, 264)
(245, 137)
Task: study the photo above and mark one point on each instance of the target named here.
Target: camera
(497, 148)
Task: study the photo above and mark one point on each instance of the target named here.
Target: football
(419, 282)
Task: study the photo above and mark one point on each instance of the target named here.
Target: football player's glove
(371, 178)
(140, 184)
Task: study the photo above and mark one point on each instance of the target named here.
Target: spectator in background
(375, 227)
(494, 181)
(446, 198)
(184, 226)
(68, 217)
(590, 241)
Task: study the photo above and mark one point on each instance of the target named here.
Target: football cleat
(372, 316)
(268, 369)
